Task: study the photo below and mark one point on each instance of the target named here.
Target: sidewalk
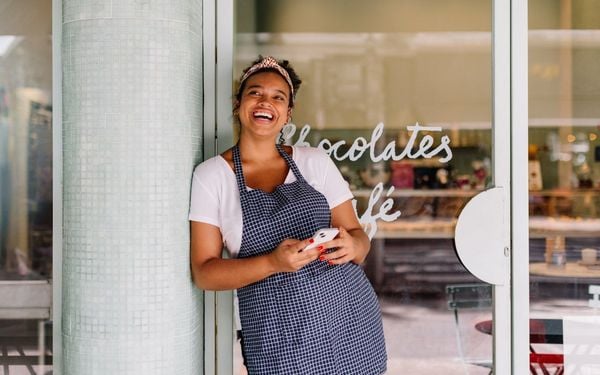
(423, 340)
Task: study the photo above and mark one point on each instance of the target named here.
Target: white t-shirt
(216, 200)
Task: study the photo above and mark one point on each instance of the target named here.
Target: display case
(433, 213)
(414, 251)
(564, 195)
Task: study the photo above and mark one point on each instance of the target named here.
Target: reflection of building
(138, 106)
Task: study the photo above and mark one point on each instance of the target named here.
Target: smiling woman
(267, 200)
(264, 107)
(269, 92)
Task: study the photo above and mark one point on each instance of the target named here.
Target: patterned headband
(269, 63)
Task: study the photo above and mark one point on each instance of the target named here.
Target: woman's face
(263, 109)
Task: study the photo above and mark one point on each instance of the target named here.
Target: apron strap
(239, 174)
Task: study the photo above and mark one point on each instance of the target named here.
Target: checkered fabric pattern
(323, 319)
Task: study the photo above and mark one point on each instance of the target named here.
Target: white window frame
(57, 196)
(519, 129)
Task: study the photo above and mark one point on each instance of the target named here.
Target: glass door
(411, 100)
(26, 187)
(564, 184)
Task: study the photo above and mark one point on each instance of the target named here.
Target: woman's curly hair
(285, 64)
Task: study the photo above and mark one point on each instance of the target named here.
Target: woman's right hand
(211, 272)
(289, 257)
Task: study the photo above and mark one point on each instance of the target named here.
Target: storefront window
(399, 93)
(564, 169)
(25, 186)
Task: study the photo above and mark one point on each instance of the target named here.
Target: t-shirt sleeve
(204, 199)
(335, 188)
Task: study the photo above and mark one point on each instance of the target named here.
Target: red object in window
(541, 331)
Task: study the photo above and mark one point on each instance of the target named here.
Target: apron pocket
(312, 313)
(259, 315)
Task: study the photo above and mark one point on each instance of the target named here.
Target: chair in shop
(473, 296)
(542, 331)
(24, 317)
(544, 362)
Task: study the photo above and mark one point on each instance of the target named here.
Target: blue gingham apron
(322, 319)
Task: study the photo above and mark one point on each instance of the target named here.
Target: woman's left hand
(348, 249)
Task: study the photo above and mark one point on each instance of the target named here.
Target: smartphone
(321, 236)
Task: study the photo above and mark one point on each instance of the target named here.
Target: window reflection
(26, 159)
(25, 186)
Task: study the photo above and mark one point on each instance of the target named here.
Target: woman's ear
(236, 107)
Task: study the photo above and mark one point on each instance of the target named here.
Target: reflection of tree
(40, 153)
(4, 183)
(39, 194)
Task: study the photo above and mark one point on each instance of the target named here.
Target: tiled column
(131, 132)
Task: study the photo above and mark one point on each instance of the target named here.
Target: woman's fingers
(341, 260)
(344, 249)
(301, 245)
(291, 256)
(339, 253)
(296, 246)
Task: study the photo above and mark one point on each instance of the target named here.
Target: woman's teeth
(263, 115)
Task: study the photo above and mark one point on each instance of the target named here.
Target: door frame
(519, 203)
(501, 175)
(217, 51)
(510, 137)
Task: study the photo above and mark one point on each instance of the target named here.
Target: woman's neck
(258, 150)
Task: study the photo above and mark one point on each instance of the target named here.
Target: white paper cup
(559, 259)
(588, 256)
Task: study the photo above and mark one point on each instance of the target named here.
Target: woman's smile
(263, 115)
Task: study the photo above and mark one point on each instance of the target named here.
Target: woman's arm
(353, 243)
(211, 272)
